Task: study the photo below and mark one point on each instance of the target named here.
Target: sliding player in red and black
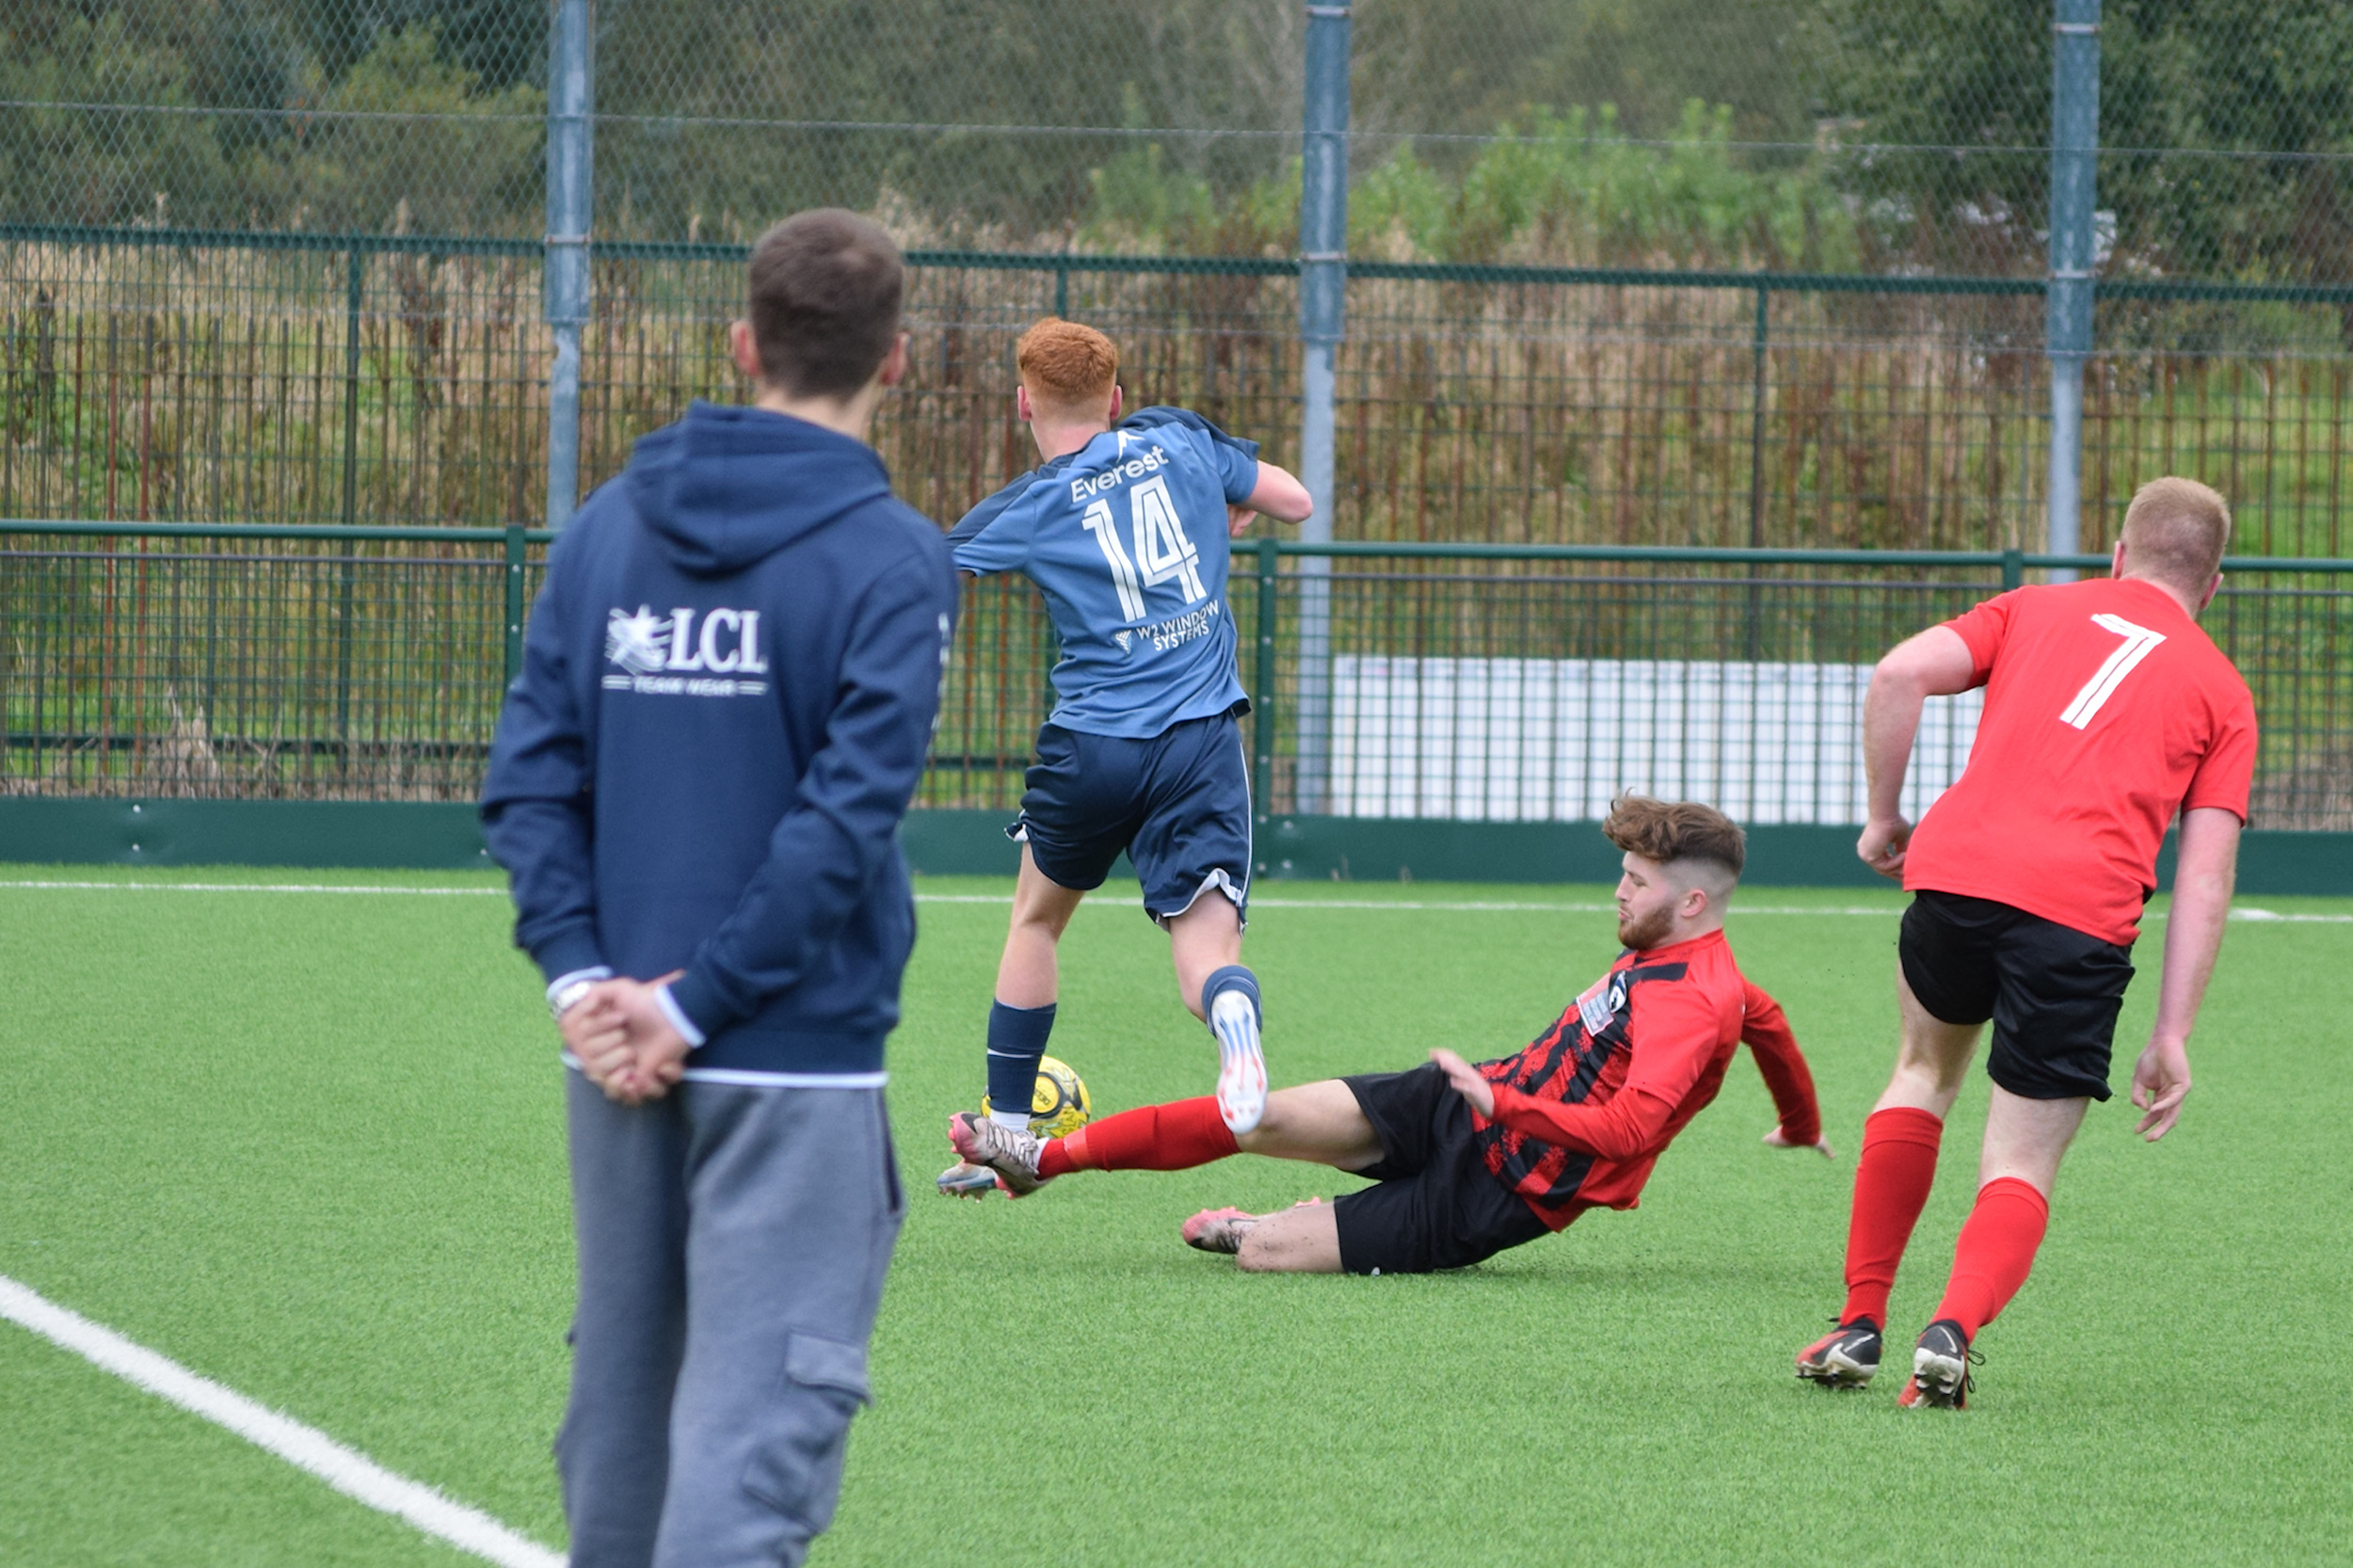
(1468, 1161)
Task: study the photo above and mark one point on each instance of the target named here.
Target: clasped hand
(623, 1041)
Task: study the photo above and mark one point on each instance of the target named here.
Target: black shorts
(2051, 991)
(1436, 1205)
(1179, 803)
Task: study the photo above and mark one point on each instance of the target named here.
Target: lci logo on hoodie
(670, 656)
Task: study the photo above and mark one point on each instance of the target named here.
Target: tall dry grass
(215, 385)
(162, 383)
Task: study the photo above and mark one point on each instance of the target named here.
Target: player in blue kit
(1123, 526)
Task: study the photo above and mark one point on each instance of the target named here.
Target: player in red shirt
(2106, 710)
(1469, 1161)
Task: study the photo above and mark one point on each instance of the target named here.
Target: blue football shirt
(1127, 540)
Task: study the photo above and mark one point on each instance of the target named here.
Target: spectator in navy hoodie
(696, 788)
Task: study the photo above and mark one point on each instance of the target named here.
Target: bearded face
(1647, 897)
(1645, 929)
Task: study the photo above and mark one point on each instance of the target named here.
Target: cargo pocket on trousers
(796, 1467)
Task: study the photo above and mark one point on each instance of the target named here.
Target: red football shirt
(2106, 710)
(1583, 1113)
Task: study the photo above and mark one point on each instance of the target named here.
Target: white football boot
(1240, 1065)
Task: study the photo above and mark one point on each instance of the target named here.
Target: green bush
(1560, 188)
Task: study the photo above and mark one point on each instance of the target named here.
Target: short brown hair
(1667, 831)
(1070, 368)
(2175, 531)
(824, 302)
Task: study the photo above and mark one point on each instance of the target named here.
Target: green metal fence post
(1262, 684)
(512, 577)
(1757, 423)
(2013, 567)
(1756, 462)
(1062, 292)
(355, 277)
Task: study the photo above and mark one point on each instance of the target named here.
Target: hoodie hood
(726, 486)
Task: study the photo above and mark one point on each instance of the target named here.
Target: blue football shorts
(1179, 803)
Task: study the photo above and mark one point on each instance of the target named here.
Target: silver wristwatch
(564, 1000)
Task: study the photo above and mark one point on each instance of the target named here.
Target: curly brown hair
(1667, 831)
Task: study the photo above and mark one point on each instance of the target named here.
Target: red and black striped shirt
(1583, 1113)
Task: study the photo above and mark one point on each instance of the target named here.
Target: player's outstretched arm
(1625, 1126)
(2205, 874)
(1765, 1030)
(1936, 662)
(1277, 493)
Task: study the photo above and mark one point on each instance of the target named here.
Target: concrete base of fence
(385, 835)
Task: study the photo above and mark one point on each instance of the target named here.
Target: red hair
(1068, 368)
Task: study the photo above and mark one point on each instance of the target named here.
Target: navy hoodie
(726, 694)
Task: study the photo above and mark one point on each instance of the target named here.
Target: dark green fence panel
(1514, 684)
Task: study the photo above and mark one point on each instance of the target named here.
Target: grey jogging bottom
(732, 1245)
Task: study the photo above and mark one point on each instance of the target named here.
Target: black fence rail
(1393, 680)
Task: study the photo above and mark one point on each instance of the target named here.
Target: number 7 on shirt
(2138, 643)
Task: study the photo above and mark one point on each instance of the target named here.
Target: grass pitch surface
(310, 1146)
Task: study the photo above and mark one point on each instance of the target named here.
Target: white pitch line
(2243, 912)
(260, 888)
(346, 1470)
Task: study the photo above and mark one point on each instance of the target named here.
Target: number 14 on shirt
(1167, 554)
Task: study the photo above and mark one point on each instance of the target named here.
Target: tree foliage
(2225, 126)
(1873, 134)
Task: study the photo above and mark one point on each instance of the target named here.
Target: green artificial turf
(309, 1145)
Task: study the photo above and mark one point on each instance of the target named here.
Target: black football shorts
(1434, 1204)
(1179, 803)
(2051, 991)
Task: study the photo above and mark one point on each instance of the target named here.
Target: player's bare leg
(1320, 1123)
(1900, 1142)
(1304, 1239)
(1201, 941)
(1027, 975)
(2025, 1141)
(1028, 983)
(1204, 942)
(1932, 1057)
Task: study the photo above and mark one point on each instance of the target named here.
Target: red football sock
(1995, 1252)
(1891, 1187)
(1173, 1137)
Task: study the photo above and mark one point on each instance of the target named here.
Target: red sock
(1891, 1187)
(1173, 1137)
(1995, 1252)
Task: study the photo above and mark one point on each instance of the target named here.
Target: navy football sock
(1233, 977)
(1017, 1039)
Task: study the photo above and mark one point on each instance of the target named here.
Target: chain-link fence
(1838, 134)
